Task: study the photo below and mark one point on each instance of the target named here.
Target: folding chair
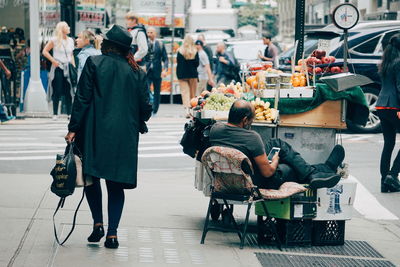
(230, 171)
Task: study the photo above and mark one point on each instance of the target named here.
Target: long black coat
(111, 102)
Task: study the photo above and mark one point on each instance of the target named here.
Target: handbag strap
(61, 205)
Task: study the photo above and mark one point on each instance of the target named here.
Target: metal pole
(299, 27)
(35, 98)
(345, 51)
(171, 97)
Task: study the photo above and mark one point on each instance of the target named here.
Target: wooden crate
(326, 115)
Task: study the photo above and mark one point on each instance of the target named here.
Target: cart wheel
(215, 211)
(264, 232)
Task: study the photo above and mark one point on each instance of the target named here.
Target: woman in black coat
(110, 107)
(388, 110)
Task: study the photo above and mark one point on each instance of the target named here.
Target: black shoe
(390, 184)
(111, 242)
(321, 180)
(336, 157)
(97, 234)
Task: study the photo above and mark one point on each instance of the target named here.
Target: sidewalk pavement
(161, 226)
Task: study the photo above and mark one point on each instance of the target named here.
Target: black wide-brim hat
(119, 35)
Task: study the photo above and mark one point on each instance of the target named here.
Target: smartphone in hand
(272, 153)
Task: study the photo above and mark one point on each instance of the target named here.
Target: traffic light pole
(299, 28)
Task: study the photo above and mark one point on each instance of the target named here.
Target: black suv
(367, 41)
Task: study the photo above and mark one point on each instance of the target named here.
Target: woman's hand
(70, 137)
(398, 115)
(56, 64)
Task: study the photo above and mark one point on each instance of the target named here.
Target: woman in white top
(59, 81)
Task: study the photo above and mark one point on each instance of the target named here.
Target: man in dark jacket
(224, 65)
(156, 65)
(285, 166)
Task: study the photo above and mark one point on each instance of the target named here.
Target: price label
(324, 45)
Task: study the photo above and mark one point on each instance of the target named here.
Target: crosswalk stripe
(368, 206)
(156, 155)
(154, 148)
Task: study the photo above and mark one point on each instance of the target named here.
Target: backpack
(234, 69)
(64, 182)
(141, 28)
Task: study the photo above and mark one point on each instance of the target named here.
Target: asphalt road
(29, 147)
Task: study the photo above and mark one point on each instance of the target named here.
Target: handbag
(65, 174)
(72, 71)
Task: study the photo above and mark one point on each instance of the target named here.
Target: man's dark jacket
(110, 104)
(160, 57)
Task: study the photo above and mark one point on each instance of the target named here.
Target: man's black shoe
(392, 184)
(336, 157)
(321, 180)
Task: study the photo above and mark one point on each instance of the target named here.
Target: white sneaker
(55, 117)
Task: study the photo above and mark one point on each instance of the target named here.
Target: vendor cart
(312, 126)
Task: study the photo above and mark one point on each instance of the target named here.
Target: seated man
(287, 166)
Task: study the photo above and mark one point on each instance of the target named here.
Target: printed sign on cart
(336, 203)
(90, 14)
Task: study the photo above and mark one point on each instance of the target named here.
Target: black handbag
(72, 71)
(64, 181)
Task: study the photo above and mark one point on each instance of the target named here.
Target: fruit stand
(306, 114)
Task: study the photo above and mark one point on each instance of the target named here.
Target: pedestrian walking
(87, 42)
(271, 51)
(208, 50)
(59, 84)
(139, 37)
(109, 110)
(204, 69)
(388, 110)
(7, 73)
(186, 71)
(224, 65)
(156, 65)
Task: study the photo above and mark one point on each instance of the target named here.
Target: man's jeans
(292, 167)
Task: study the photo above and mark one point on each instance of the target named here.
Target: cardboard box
(327, 115)
(336, 203)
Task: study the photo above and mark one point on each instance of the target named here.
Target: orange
(250, 80)
(296, 82)
(254, 84)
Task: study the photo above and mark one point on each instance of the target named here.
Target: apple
(318, 70)
(325, 60)
(318, 62)
(326, 70)
(318, 53)
(311, 61)
(332, 59)
(335, 70)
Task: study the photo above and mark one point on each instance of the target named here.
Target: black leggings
(116, 199)
(61, 88)
(390, 125)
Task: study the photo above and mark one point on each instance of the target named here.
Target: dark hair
(267, 36)
(111, 47)
(238, 112)
(391, 56)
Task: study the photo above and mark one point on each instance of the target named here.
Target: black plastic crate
(295, 232)
(328, 233)
(265, 234)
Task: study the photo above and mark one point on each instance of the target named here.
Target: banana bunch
(263, 111)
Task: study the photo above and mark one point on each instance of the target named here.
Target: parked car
(246, 50)
(367, 41)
